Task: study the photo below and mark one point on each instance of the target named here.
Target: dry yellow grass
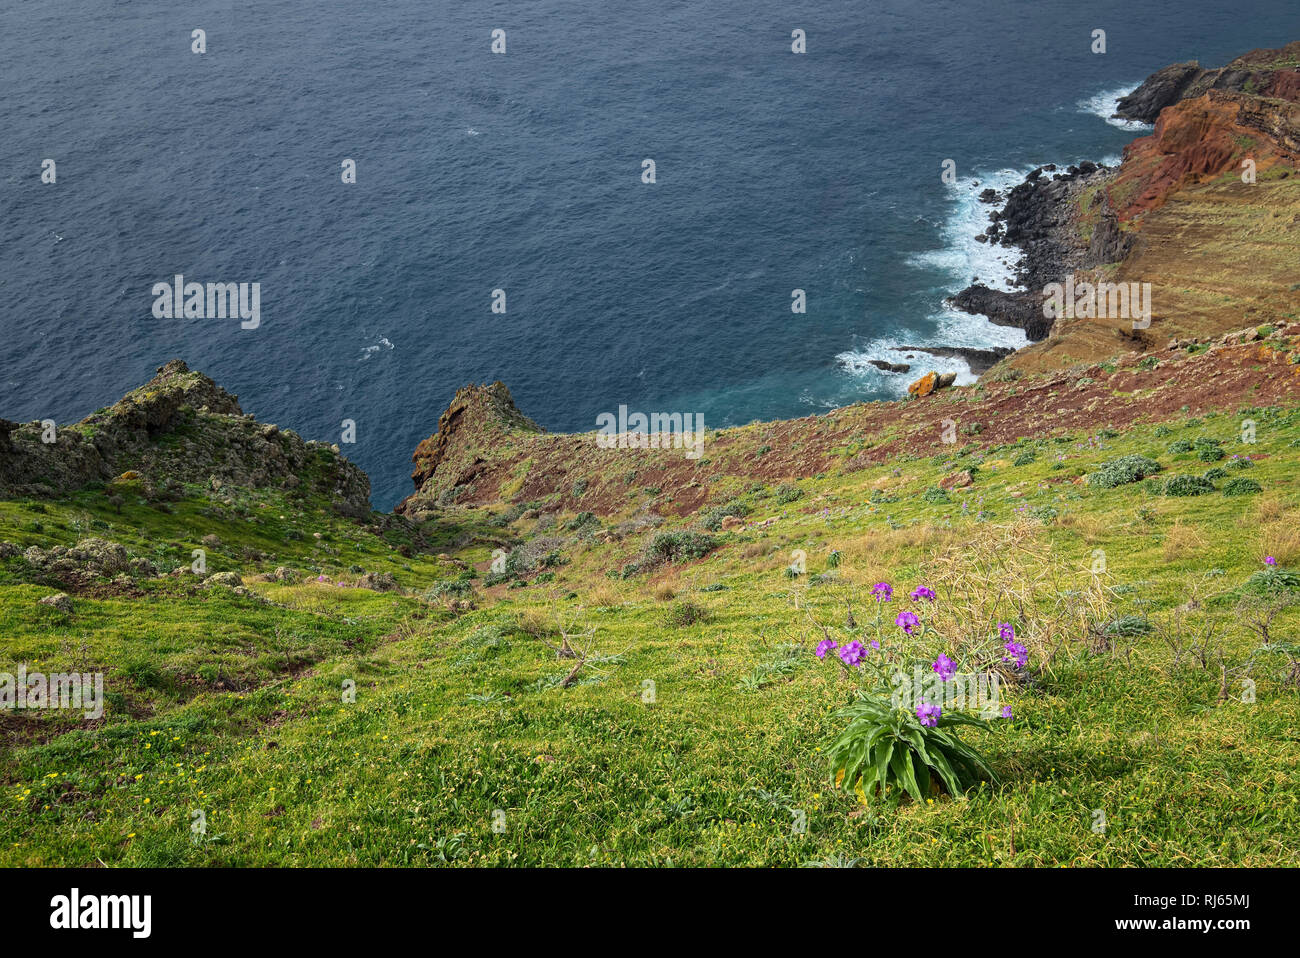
(1182, 541)
(1281, 539)
(1093, 529)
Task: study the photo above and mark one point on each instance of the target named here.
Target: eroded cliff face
(478, 420)
(1198, 139)
(179, 427)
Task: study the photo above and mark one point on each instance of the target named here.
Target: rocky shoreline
(1044, 216)
(1040, 217)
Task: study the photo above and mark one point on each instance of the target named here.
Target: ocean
(523, 172)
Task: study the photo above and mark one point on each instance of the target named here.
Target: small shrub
(1180, 446)
(1125, 469)
(1044, 514)
(1127, 625)
(687, 613)
(581, 521)
(936, 495)
(1241, 486)
(713, 520)
(788, 493)
(449, 587)
(1187, 486)
(1273, 582)
(679, 546)
(1209, 453)
(1025, 459)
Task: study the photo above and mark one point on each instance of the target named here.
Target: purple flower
(1017, 654)
(921, 592)
(853, 652)
(928, 714)
(883, 591)
(1269, 560)
(1006, 630)
(907, 621)
(875, 643)
(824, 646)
(945, 667)
(1006, 711)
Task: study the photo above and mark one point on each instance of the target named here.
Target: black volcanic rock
(979, 360)
(1259, 72)
(1023, 310)
(1109, 243)
(889, 367)
(1163, 88)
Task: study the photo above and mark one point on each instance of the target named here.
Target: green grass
(691, 734)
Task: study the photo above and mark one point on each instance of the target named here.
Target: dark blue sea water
(477, 171)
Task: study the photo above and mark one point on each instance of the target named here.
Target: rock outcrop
(1023, 310)
(179, 427)
(931, 382)
(477, 417)
(1266, 73)
(1208, 123)
(979, 360)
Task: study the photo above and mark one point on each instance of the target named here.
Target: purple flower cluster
(921, 592)
(907, 621)
(1006, 631)
(945, 667)
(883, 591)
(824, 646)
(1017, 654)
(853, 652)
(928, 714)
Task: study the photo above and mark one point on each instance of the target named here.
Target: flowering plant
(887, 751)
(900, 732)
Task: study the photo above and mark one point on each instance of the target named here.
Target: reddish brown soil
(583, 477)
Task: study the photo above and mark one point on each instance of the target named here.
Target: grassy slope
(233, 706)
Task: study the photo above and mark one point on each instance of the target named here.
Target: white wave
(954, 328)
(963, 258)
(368, 351)
(1105, 103)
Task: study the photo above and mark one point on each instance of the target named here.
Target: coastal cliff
(1205, 209)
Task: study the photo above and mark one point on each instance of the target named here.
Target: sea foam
(1105, 103)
